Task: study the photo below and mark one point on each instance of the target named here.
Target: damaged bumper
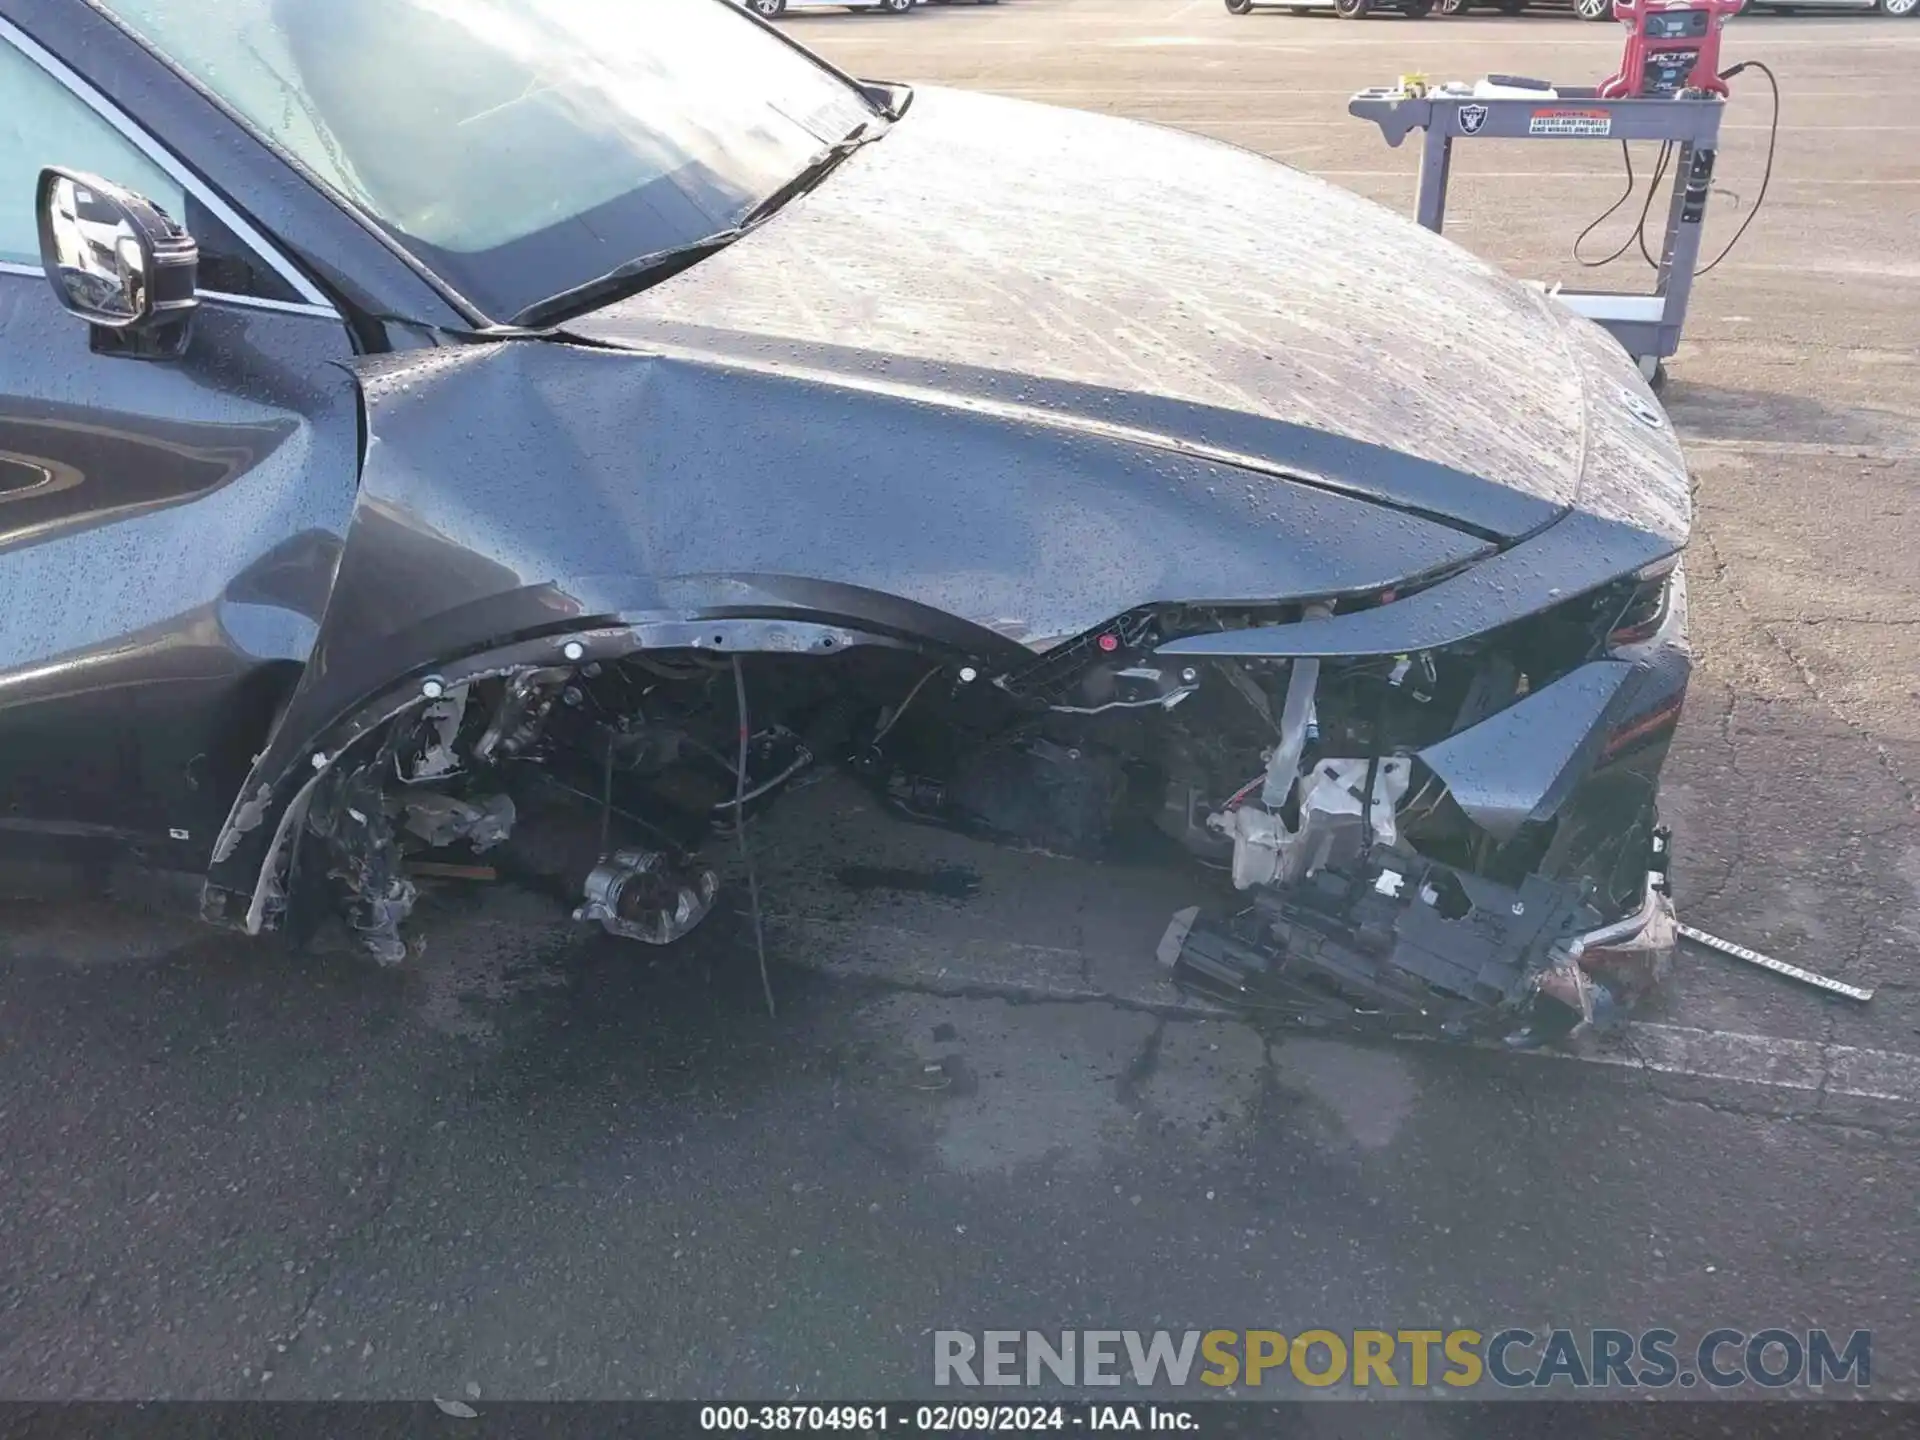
(1435, 949)
(1543, 907)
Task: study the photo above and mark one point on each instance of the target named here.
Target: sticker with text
(1579, 124)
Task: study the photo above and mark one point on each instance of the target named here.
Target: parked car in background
(1789, 7)
(1603, 9)
(1599, 10)
(1345, 9)
(772, 9)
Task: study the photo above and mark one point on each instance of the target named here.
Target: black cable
(1773, 138)
(1639, 235)
(1366, 809)
(1639, 232)
(1626, 157)
(1653, 189)
(740, 833)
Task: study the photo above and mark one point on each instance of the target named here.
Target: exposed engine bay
(1463, 838)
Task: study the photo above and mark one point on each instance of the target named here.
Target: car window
(519, 147)
(44, 123)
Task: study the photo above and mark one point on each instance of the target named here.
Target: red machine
(1672, 45)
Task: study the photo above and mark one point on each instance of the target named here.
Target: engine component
(1063, 799)
(775, 745)
(441, 819)
(1185, 810)
(1335, 818)
(642, 895)
(516, 724)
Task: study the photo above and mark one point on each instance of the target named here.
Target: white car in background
(1788, 7)
(1345, 9)
(772, 9)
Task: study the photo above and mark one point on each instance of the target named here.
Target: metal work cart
(1647, 326)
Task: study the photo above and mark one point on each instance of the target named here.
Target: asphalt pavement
(529, 1164)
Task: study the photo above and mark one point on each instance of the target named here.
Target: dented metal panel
(516, 485)
(1019, 253)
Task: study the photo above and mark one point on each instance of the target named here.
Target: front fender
(253, 844)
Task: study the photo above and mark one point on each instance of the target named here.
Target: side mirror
(119, 262)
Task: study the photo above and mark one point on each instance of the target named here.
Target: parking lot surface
(530, 1164)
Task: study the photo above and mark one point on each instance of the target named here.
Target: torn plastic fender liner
(284, 779)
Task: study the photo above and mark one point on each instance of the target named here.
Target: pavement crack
(1887, 1133)
(1723, 574)
(1736, 860)
(323, 1267)
(1015, 994)
(1651, 1081)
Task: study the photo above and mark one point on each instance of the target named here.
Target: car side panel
(168, 534)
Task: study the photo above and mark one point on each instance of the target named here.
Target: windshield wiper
(644, 270)
(623, 280)
(815, 170)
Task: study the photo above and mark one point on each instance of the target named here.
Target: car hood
(1085, 272)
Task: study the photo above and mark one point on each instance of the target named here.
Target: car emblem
(1647, 414)
(1472, 117)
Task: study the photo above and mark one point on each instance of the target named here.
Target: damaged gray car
(552, 429)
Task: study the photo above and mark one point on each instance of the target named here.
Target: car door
(168, 529)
